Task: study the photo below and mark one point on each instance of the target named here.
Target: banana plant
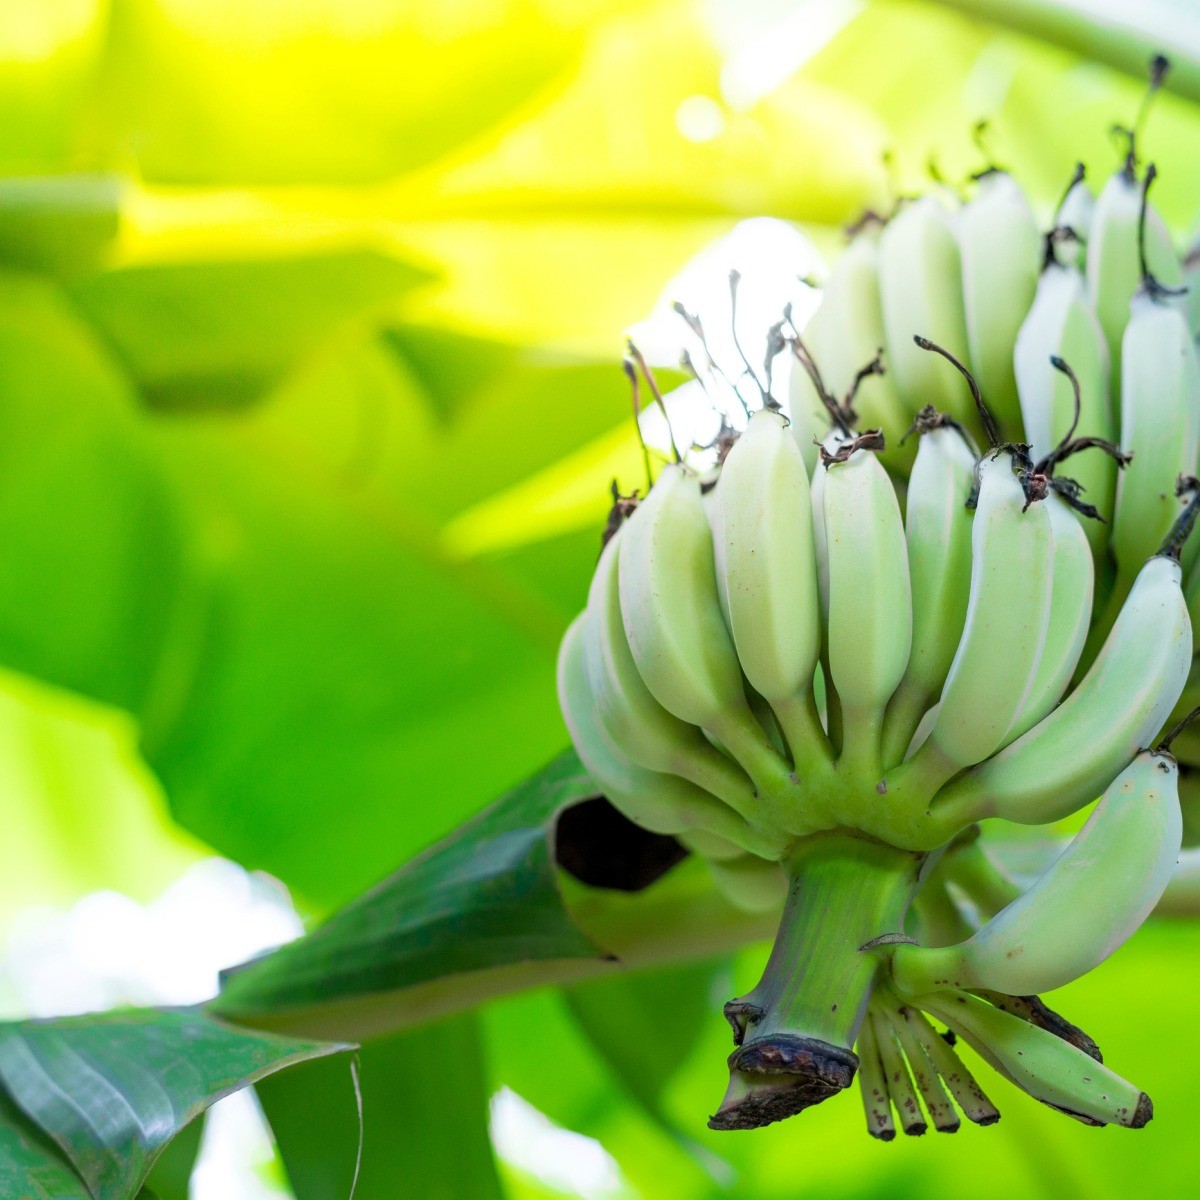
(800, 681)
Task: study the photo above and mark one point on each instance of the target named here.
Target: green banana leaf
(111, 1091)
(482, 914)
(63, 225)
(1122, 36)
(222, 332)
(30, 1163)
(421, 1136)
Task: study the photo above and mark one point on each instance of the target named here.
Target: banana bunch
(956, 583)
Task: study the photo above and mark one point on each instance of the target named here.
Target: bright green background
(309, 320)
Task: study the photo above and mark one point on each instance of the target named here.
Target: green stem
(796, 1029)
(1121, 36)
(862, 737)
(808, 744)
(904, 712)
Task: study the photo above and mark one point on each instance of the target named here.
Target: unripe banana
(873, 1084)
(1070, 614)
(809, 416)
(869, 604)
(937, 528)
(678, 638)
(1191, 280)
(844, 336)
(1061, 324)
(1120, 704)
(968, 1095)
(1114, 271)
(921, 289)
(655, 801)
(901, 1091)
(1192, 596)
(1001, 255)
(924, 1073)
(1075, 214)
(1012, 566)
(1160, 427)
(749, 883)
(1086, 905)
(639, 728)
(766, 578)
(1039, 1062)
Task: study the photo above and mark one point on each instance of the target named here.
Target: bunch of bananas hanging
(955, 584)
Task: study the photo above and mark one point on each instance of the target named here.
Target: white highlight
(108, 950)
(774, 258)
(761, 55)
(700, 118)
(565, 1161)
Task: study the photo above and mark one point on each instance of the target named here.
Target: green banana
(844, 336)
(1008, 609)
(873, 1084)
(968, 1095)
(1062, 325)
(901, 1092)
(868, 609)
(637, 726)
(937, 528)
(921, 291)
(749, 883)
(1160, 427)
(1114, 261)
(656, 801)
(1072, 754)
(1001, 254)
(925, 1076)
(1050, 1069)
(1086, 905)
(677, 635)
(766, 579)
(1075, 216)
(1191, 280)
(1070, 613)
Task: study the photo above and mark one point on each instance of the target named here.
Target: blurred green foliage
(309, 317)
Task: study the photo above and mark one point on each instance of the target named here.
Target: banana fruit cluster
(823, 663)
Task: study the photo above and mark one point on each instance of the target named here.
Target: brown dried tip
(781, 1076)
(622, 509)
(1185, 486)
(871, 439)
(990, 429)
(928, 419)
(1151, 284)
(869, 217)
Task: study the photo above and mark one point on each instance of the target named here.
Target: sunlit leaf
(320, 90)
(1123, 36)
(49, 51)
(211, 333)
(1013, 82)
(93, 544)
(61, 224)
